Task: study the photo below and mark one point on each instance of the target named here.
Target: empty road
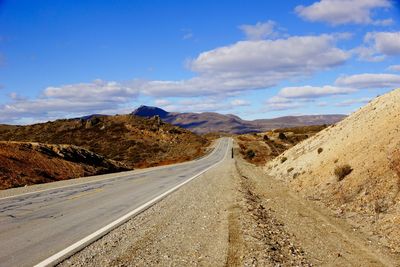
(35, 226)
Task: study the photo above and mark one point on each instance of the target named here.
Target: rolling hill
(207, 122)
(132, 140)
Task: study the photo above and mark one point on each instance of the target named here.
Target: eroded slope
(33, 163)
(368, 143)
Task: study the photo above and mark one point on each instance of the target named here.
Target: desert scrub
(282, 136)
(320, 150)
(250, 154)
(290, 169)
(342, 171)
(283, 159)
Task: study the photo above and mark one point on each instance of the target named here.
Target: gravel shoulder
(187, 228)
(234, 215)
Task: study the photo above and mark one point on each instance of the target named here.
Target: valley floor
(235, 215)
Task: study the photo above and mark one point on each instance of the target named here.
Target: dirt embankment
(137, 142)
(353, 168)
(260, 148)
(33, 163)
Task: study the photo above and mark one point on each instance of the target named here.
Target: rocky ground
(23, 163)
(240, 217)
(134, 141)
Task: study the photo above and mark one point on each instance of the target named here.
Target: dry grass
(135, 141)
(267, 146)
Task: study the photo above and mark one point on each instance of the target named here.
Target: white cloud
(378, 45)
(369, 81)
(336, 12)
(351, 102)
(277, 103)
(298, 96)
(387, 43)
(259, 31)
(72, 100)
(313, 91)
(239, 102)
(394, 68)
(296, 55)
(200, 105)
(250, 65)
(224, 71)
(162, 102)
(95, 91)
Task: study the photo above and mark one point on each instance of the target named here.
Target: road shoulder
(188, 227)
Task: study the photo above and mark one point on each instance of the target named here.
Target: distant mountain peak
(148, 111)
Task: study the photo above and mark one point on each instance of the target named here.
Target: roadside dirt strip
(234, 215)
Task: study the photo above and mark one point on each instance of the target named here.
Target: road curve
(36, 226)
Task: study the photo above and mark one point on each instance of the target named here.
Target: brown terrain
(66, 149)
(240, 217)
(24, 164)
(298, 196)
(134, 141)
(259, 148)
(207, 122)
(353, 168)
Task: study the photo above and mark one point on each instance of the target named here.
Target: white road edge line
(74, 248)
(122, 175)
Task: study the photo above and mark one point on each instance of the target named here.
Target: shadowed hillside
(132, 140)
(33, 163)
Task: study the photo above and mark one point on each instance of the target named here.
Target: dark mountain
(207, 122)
(145, 111)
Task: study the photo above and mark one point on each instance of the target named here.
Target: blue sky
(256, 59)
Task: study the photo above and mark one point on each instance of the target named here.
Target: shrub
(282, 136)
(250, 154)
(320, 150)
(283, 159)
(290, 169)
(342, 171)
(266, 138)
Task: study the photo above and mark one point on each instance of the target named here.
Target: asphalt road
(35, 226)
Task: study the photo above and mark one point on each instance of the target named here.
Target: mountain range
(207, 122)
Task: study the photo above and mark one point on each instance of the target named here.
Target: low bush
(282, 136)
(342, 171)
(283, 159)
(320, 150)
(250, 154)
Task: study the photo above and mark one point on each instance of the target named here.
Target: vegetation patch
(342, 171)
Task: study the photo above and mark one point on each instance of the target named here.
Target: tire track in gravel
(256, 237)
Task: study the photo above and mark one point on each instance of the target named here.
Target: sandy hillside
(33, 163)
(368, 141)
